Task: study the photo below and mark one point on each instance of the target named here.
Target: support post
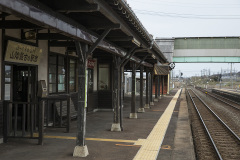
(81, 149)
(141, 108)
(156, 89)
(162, 84)
(147, 91)
(151, 89)
(122, 96)
(116, 94)
(133, 113)
(159, 88)
(168, 84)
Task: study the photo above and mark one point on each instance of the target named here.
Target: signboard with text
(22, 53)
(91, 63)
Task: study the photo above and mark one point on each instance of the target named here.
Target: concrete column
(147, 90)
(151, 89)
(141, 108)
(133, 113)
(156, 88)
(168, 87)
(81, 149)
(116, 95)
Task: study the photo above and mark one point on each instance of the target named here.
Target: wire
(182, 14)
(182, 4)
(164, 14)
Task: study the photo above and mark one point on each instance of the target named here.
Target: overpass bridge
(201, 49)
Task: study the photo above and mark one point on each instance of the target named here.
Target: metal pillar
(151, 89)
(116, 94)
(133, 113)
(141, 108)
(156, 89)
(147, 90)
(162, 84)
(159, 87)
(168, 87)
(81, 149)
(121, 96)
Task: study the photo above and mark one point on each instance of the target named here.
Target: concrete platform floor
(106, 145)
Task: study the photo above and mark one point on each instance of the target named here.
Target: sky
(187, 18)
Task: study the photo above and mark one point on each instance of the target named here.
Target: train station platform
(161, 132)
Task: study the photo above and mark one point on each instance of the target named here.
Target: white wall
(16, 33)
(60, 50)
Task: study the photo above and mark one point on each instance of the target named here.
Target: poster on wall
(22, 53)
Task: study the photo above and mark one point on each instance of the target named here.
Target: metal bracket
(99, 40)
(80, 53)
(142, 60)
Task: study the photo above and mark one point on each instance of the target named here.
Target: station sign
(22, 53)
(90, 63)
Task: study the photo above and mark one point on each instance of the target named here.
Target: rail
(234, 134)
(224, 101)
(206, 129)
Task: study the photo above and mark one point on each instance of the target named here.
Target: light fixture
(136, 42)
(30, 35)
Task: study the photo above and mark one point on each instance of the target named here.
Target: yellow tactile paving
(151, 146)
(89, 139)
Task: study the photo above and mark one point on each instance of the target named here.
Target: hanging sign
(22, 53)
(90, 63)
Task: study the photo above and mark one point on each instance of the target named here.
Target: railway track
(227, 101)
(215, 139)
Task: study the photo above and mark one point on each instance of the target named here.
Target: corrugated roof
(161, 70)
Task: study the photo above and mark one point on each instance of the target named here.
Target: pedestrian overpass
(201, 49)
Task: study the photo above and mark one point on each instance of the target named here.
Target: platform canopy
(161, 69)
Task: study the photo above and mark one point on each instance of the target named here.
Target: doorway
(20, 83)
(24, 82)
(20, 100)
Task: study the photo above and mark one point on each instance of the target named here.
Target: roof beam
(105, 26)
(61, 44)
(120, 39)
(99, 40)
(17, 24)
(70, 8)
(52, 36)
(36, 12)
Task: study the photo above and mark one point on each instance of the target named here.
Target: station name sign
(22, 53)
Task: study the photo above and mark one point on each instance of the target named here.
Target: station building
(60, 59)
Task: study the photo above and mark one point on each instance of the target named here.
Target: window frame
(57, 74)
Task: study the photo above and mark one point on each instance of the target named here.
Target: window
(72, 75)
(104, 77)
(57, 74)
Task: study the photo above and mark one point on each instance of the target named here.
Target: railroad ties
(215, 125)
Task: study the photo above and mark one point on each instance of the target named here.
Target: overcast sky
(187, 18)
